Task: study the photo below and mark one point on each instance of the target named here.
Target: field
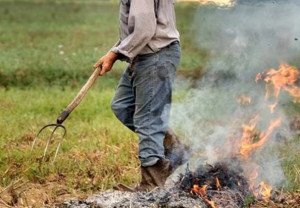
(47, 49)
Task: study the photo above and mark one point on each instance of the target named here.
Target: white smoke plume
(241, 41)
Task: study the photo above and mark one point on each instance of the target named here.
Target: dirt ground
(34, 195)
(281, 200)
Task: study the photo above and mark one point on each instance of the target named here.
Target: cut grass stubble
(97, 151)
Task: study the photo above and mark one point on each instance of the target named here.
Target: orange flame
(272, 107)
(261, 190)
(201, 191)
(265, 190)
(284, 78)
(211, 203)
(252, 140)
(218, 185)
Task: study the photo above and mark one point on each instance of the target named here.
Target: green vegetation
(91, 147)
(47, 49)
(47, 52)
(56, 43)
(53, 43)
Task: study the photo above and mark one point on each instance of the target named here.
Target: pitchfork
(65, 113)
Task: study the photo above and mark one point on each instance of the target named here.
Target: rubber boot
(152, 177)
(175, 151)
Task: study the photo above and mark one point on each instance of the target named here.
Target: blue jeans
(142, 100)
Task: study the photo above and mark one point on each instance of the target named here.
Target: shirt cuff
(122, 55)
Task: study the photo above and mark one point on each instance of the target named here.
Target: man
(149, 41)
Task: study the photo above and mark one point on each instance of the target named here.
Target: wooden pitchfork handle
(66, 112)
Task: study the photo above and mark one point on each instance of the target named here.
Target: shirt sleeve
(141, 27)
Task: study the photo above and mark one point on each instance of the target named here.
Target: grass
(53, 43)
(56, 43)
(47, 53)
(91, 147)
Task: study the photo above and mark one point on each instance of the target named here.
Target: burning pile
(228, 183)
(220, 185)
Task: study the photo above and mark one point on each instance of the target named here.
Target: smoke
(241, 41)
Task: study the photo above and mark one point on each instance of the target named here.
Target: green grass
(53, 43)
(58, 42)
(291, 163)
(91, 146)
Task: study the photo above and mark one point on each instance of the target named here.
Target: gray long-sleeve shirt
(146, 26)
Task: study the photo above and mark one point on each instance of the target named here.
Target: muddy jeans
(143, 99)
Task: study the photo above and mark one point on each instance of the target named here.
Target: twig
(10, 185)
(22, 184)
(3, 202)
(6, 171)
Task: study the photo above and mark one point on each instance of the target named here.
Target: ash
(231, 193)
(156, 198)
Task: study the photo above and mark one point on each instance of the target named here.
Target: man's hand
(106, 62)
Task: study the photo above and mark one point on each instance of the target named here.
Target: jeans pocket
(173, 49)
(128, 74)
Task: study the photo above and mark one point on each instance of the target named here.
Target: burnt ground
(231, 191)
(156, 198)
(54, 194)
(163, 198)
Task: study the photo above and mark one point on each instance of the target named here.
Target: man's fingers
(105, 68)
(105, 64)
(98, 64)
(102, 72)
(95, 65)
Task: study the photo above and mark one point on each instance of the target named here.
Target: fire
(252, 176)
(285, 78)
(201, 191)
(229, 3)
(272, 107)
(218, 185)
(261, 190)
(252, 139)
(265, 190)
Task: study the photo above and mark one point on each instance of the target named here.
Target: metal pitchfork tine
(65, 113)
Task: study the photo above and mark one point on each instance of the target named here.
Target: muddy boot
(152, 177)
(175, 151)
